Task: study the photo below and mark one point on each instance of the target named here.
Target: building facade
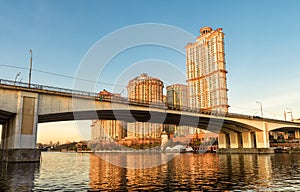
(177, 96)
(206, 71)
(145, 89)
(108, 130)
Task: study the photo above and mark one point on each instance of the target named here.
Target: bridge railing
(82, 93)
(46, 88)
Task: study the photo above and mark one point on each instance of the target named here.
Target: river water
(153, 171)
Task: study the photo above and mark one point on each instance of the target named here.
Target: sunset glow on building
(206, 72)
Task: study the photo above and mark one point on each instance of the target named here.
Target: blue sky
(261, 43)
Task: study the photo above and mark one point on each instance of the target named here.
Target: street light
(261, 111)
(285, 112)
(30, 69)
(17, 77)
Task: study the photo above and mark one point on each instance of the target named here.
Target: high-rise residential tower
(206, 71)
(107, 130)
(177, 96)
(145, 89)
(150, 90)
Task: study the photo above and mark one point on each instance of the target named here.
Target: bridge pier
(224, 141)
(19, 133)
(286, 135)
(230, 140)
(245, 142)
(297, 134)
(262, 137)
(275, 134)
(235, 140)
(248, 139)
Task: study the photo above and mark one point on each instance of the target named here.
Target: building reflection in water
(137, 160)
(120, 171)
(18, 176)
(249, 170)
(183, 172)
(180, 173)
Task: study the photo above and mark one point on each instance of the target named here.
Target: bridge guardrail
(46, 88)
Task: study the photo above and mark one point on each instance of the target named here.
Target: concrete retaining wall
(246, 151)
(20, 155)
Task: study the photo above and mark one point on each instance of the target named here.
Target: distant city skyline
(261, 47)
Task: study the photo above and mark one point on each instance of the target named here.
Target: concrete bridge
(23, 107)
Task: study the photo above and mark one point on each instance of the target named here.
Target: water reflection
(137, 160)
(185, 172)
(107, 176)
(246, 171)
(286, 169)
(18, 176)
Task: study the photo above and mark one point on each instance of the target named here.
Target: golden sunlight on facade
(177, 98)
(206, 72)
(150, 90)
(106, 130)
(206, 89)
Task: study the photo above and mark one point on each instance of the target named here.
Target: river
(153, 171)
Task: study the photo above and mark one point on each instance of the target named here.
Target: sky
(261, 46)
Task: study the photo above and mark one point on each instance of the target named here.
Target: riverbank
(246, 151)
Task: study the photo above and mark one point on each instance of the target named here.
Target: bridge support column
(262, 137)
(223, 141)
(19, 133)
(297, 134)
(286, 135)
(275, 134)
(248, 140)
(234, 140)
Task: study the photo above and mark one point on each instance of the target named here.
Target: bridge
(23, 107)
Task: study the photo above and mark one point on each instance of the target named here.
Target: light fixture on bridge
(17, 77)
(286, 112)
(261, 110)
(30, 69)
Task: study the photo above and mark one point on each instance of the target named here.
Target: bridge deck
(7, 84)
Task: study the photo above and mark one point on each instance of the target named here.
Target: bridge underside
(283, 129)
(207, 123)
(5, 116)
(232, 134)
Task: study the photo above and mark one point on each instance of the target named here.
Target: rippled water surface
(185, 172)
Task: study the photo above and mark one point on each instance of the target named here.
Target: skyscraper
(206, 71)
(150, 90)
(177, 96)
(145, 89)
(107, 130)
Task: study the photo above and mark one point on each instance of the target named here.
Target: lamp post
(285, 112)
(261, 111)
(17, 77)
(30, 69)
